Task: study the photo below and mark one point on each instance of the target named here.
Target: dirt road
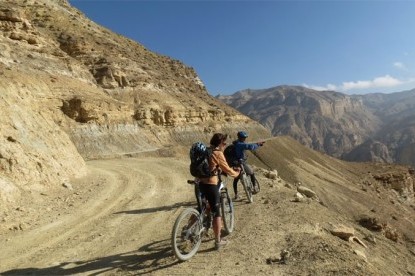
(117, 221)
(121, 217)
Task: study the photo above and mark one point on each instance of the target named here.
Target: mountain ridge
(95, 94)
(344, 126)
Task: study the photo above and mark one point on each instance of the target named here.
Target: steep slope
(374, 127)
(395, 140)
(73, 90)
(118, 219)
(326, 121)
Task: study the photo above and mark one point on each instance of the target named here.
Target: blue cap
(242, 134)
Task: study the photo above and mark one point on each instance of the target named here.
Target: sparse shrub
(371, 223)
(391, 234)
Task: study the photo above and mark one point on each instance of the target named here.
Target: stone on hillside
(23, 226)
(360, 254)
(8, 191)
(68, 185)
(288, 185)
(285, 256)
(272, 175)
(12, 15)
(401, 182)
(342, 232)
(306, 191)
(282, 259)
(298, 197)
(391, 234)
(346, 233)
(359, 241)
(371, 239)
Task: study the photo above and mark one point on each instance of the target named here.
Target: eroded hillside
(373, 127)
(326, 121)
(73, 90)
(314, 215)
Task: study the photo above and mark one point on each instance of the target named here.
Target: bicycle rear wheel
(186, 234)
(257, 186)
(246, 182)
(227, 212)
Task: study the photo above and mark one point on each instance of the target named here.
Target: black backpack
(199, 160)
(230, 155)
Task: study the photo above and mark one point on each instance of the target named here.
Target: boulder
(306, 191)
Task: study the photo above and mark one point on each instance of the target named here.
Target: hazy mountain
(373, 127)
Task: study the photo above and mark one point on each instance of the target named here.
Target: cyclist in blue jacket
(240, 147)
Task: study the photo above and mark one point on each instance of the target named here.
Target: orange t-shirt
(217, 160)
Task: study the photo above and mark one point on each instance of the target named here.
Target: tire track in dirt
(44, 238)
(127, 211)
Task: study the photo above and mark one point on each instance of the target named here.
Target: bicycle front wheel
(246, 182)
(186, 235)
(227, 212)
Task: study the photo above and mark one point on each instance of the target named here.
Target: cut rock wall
(72, 90)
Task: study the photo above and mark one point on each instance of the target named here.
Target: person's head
(218, 139)
(242, 135)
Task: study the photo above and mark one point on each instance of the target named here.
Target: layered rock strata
(73, 90)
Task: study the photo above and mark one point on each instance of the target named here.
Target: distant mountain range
(373, 127)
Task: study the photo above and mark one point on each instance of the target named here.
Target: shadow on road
(147, 259)
(157, 209)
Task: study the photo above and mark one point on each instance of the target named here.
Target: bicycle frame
(241, 166)
(201, 200)
(247, 184)
(202, 204)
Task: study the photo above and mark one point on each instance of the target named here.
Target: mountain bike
(246, 182)
(193, 223)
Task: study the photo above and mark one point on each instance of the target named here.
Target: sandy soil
(111, 220)
(118, 220)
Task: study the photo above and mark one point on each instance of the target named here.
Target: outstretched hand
(261, 143)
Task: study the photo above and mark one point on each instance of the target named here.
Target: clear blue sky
(354, 47)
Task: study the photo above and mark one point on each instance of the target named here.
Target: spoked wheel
(186, 234)
(257, 186)
(246, 182)
(227, 212)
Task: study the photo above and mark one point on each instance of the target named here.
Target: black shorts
(211, 192)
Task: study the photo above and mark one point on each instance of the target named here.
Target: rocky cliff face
(73, 90)
(397, 133)
(330, 122)
(373, 127)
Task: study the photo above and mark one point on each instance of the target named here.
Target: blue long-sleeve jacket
(240, 148)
